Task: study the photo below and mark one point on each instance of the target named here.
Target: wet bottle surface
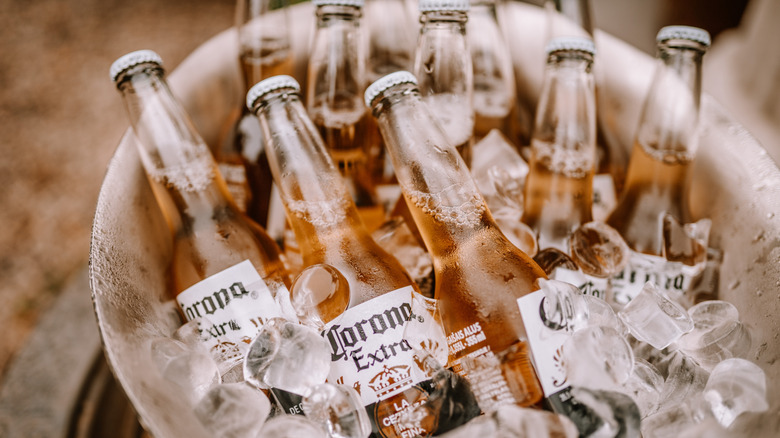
(558, 188)
(666, 142)
(443, 69)
(479, 273)
(218, 252)
(264, 51)
(336, 80)
(329, 230)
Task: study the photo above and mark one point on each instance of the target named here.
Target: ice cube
(645, 386)
(597, 358)
(192, 373)
(564, 306)
(287, 356)
(685, 380)
(292, 426)
(598, 249)
(520, 234)
(614, 414)
(672, 421)
(654, 318)
(510, 421)
(499, 171)
(164, 350)
(551, 258)
(685, 243)
(395, 237)
(233, 410)
(717, 334)
(226, 353)
(338, 408)
(601, 314)
(734, 387)
(319, 294)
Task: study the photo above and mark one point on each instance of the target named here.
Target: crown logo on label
(391, 379)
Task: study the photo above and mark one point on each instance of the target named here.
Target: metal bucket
(735, 184)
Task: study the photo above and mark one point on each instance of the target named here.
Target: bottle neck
(318, 204)
(177, 161)
(336, 72)
(559, 187)
(264, 39)
(573, 17)
(435, 181)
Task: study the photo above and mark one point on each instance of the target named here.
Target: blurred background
(61, 119)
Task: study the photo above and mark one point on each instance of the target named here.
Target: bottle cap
(131, 60)
(266, 86)
(385, 82)
(355, 3)
(580, 44)
(444, 5)
(684, 33)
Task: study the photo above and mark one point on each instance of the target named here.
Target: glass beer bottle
(479, 273)
(218, 252)
(321, 212)
(559, 185)
(442, 65)
(336, 80)
(264, 51)
(666, 142)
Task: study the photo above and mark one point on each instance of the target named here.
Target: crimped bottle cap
(385, 82)
(131, 60)
(683, 33)
(444, 5)
(260, 89)
(355, 3)
(580, 44)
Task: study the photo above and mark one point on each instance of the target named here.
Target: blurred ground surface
(60, 121)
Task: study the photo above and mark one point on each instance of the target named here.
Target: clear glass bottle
(264, 51)
(335, 82)
(330, 231)
(666, 142)
(216, 248)
(479, 273)
(559, 187)
(442, 65)
(494, 77)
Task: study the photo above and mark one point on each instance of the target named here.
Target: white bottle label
(674, 278)
(587, 284)
(232, 304)
(369, 350)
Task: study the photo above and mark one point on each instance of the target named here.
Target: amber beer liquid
(479, 273)
(369, 350)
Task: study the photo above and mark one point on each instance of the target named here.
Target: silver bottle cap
(683, 33)
(444, 5)
(260, 89)
(580, 44)
(385, 82)
(355, 3)
(131, 60)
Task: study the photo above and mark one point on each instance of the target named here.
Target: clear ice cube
(510, 421)
(735, 386)
(287, 356)
(319, 294)
(292, 426)
(395, 237)
(685, 380)
(597, 358)
(337, 408)
(192, 373)
(499, 171)
(598, 249)
(614, 414)
(233, 410)
(564, 305)
(645, 386)
(654, 318)
(717, 334)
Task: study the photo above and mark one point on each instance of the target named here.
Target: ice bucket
(736, 184)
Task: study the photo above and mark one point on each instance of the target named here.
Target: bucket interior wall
(735, 184)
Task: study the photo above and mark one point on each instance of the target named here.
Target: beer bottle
(264, 51)
(390, 38)
(369, 352)
(574, 18)
(442, 65)
(218, 252)
(335, 82)
(666, 142)
(558, 188)
(494, 77)
(479, 273)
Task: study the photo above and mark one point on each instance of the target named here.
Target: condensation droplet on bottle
(734, 284)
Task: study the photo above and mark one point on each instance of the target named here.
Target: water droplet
(734, 284)
(770, 215)
(759, 293)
